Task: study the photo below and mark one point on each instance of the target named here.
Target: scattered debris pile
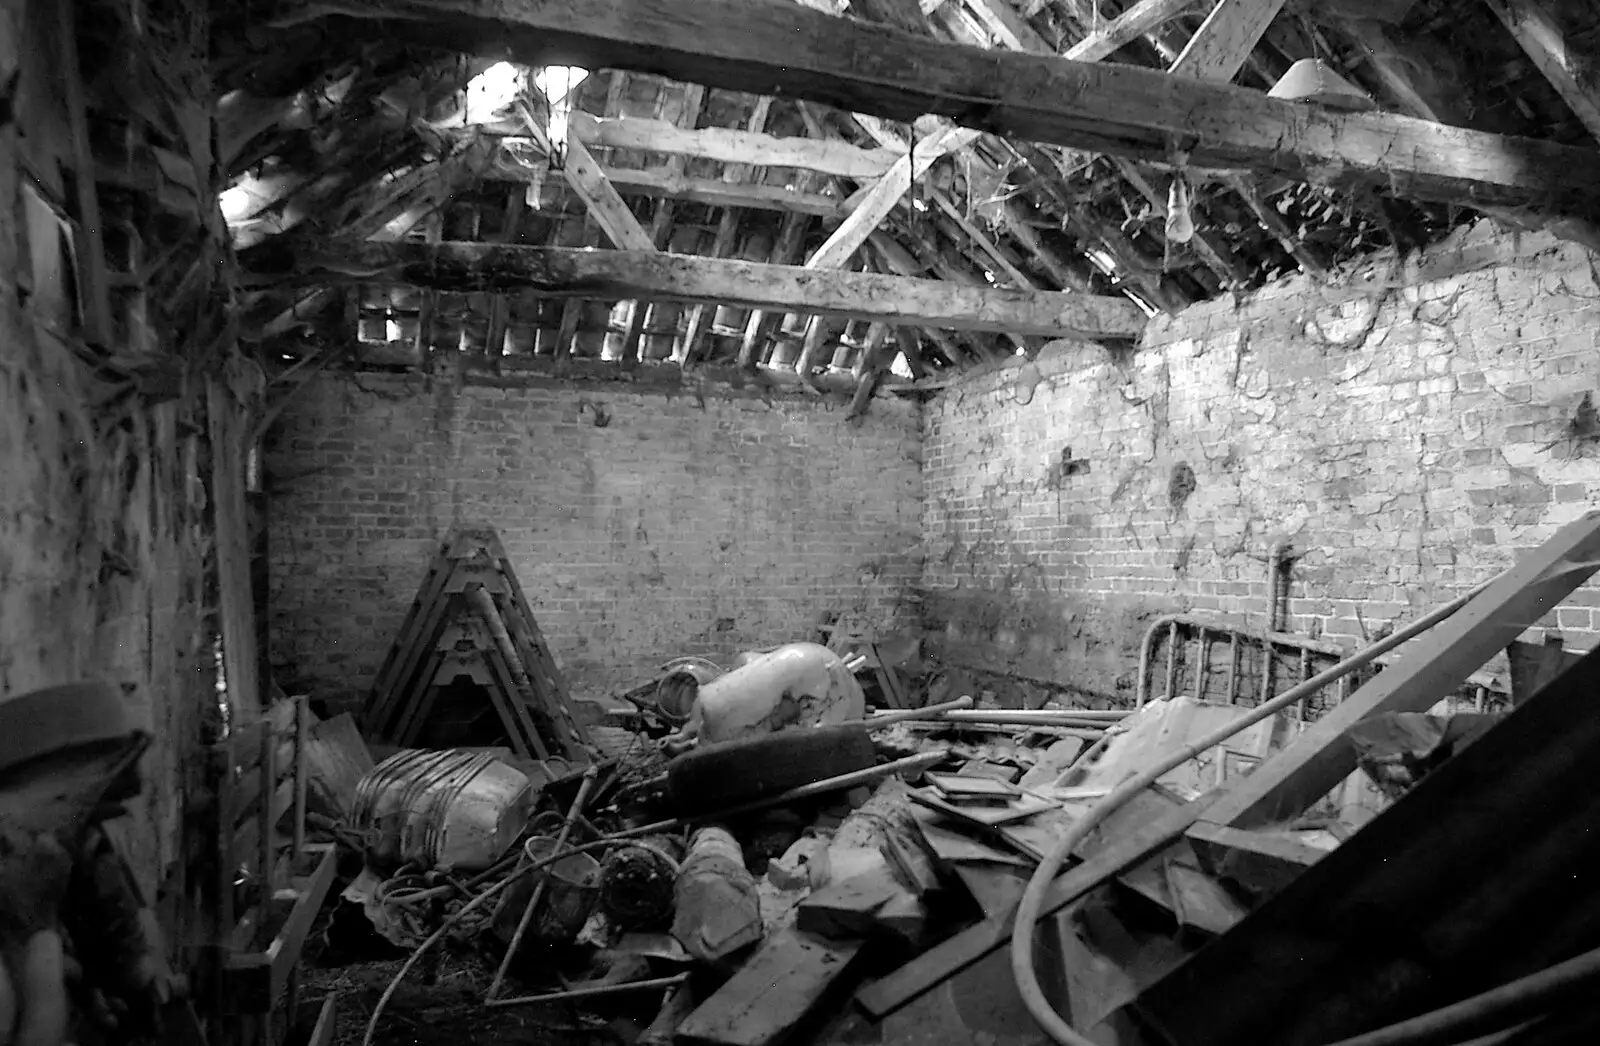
(769, 841)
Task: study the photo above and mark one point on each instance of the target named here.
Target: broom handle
(538, 887)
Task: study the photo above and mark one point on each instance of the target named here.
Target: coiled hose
(1031, 906)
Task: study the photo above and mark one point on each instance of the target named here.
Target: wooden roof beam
(885, 193)
(566, 272)
(1546, 45)
(727, 145)
(605, 204)
(1123, 110)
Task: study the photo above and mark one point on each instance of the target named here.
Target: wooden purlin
(445, 635)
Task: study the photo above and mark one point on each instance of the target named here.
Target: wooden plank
(337, 758)
(1428, 669)
(1218, 49)
(786, 978)
(943, 961)
(727, 145)
(1264, 862)
(569, 272)
(886, 193)
(94, 287)
(983, 242)
(591, 185)
(1571, 73)
(1121, 110)
(1387, 926)
(238, 631)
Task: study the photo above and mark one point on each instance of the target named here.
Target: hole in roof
(491, 91)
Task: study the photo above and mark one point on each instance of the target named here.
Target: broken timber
(1469, 880)
(1143, 114)
(1297, 776)
(615, 275)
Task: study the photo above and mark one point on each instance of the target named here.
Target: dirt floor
(449, 1011)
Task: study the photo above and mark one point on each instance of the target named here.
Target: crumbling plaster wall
(1407, 432)
(643, 526)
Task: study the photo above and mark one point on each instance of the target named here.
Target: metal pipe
(1018, 717)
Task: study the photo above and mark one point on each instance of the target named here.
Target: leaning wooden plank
(727, 145)
(336, 761)
(948, 958)
(1428, 669)
(574, 272)
(1470, 879)
(1117, 109)
(1264, 862)
(772, 992)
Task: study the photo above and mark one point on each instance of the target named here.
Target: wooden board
(850, 909)
(772, 993)
(336, 760)
(1263, 862)
(949, 957)
(1465, 883)
(658, 276)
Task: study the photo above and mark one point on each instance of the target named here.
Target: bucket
(572, 886)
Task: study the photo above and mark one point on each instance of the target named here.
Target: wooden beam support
(619, 275)
(592, 186)
(1572, 75)
(726, 145)
(885, 193)
(983, 242)
(661, 183)
(1140, 113)
(1431, 666)
(1219, 48)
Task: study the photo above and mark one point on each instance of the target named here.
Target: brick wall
(642, 526)
(1408, 432)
